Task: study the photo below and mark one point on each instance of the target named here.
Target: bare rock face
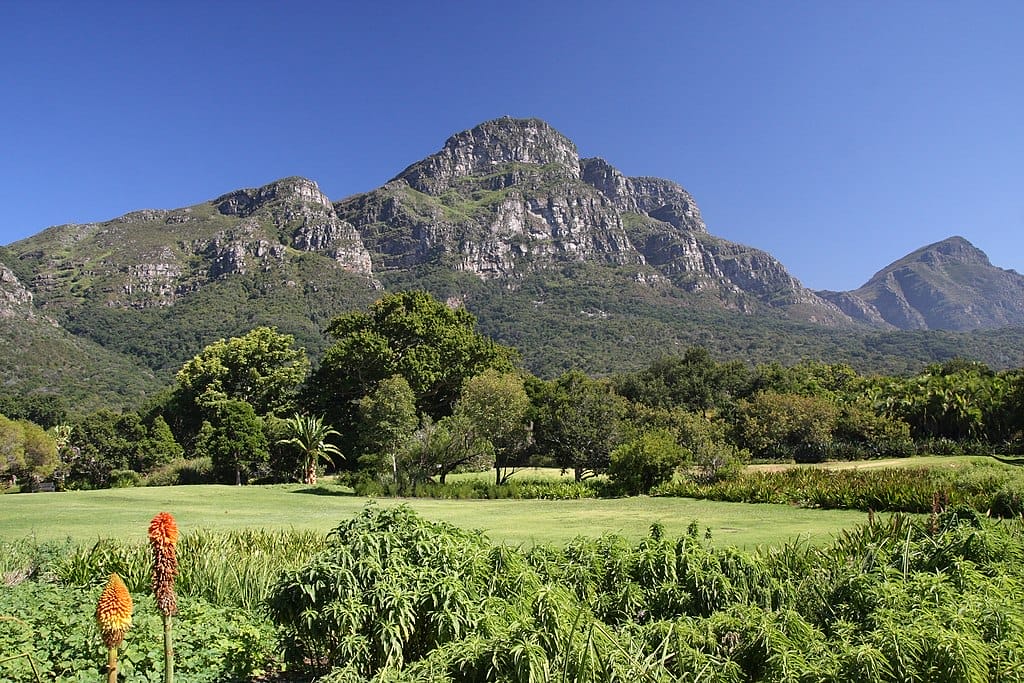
(660, 199)
(511, 197)
(15, 298)
(488, 148)
(301, 212)
(499, 201)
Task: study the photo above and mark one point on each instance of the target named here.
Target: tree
(27, 452)
(777, 425)
(450, 443)
(309, 435)
(693, 381)
(100, 443)
(388, 419)
(496, 408)
(234, 440)
(646, 461)
(577, 421)
(157, 448)
(262, 368)
(410, 334)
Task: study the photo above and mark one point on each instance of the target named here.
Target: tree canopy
(435, 348)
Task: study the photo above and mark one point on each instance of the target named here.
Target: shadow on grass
(326, 491)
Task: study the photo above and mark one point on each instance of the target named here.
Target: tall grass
(231, 569)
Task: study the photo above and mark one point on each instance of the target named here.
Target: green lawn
(125, 513)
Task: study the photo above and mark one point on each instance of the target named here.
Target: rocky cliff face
(512, 197)
(303, 215)
(15, 298)
(154, 258)
(949, 285)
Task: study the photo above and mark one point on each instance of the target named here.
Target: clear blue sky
(837, 135)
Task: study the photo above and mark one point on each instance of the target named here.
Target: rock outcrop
(511, 197)
(15, 298)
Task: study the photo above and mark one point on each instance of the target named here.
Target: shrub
(646, 461)
(182, 472)
(120, 479)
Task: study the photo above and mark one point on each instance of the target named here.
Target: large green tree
(496, 408)
(263, 368)
(234, 440)
(578, 421)
(434, 347)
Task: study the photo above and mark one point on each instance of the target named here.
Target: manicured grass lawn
(125, 513)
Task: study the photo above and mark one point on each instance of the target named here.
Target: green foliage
(262, 368)
(693, 381)
(646, 461)
(26, 451)
(182, 472)
(988, 489)
(411, 334)
(496, 408)
(784, 426)
(57, 628)
(577, 421)
(389, 596)
(234, 441)
(309, 435)
(388, 419)
(661, 609)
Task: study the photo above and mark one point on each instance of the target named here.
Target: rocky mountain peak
(488, 147)
(294, 190)
(950, 250)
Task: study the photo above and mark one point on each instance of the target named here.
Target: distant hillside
(949, 285)
(567, 259)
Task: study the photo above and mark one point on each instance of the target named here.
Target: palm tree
(309, 434)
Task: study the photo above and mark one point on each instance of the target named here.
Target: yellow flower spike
(114, 612)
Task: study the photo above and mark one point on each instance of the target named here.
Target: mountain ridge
(505, 218)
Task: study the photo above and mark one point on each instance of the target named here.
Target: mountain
(949, 285)
(512, 198)
(567, 259)
(37, 356)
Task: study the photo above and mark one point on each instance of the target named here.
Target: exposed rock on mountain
(15, 299)
(511, 197)
(949, 285)
(302, 214)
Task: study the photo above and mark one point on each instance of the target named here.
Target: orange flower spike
(163, 530)
(114, 612)
(163, 535)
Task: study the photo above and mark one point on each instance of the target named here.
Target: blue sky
(837, 135)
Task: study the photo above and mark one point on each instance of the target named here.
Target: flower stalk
(163, 540)
(114, 616)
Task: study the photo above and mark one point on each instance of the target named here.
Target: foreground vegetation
(389, 596)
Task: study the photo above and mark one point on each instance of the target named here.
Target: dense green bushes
(985, 488)
(389, 596)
